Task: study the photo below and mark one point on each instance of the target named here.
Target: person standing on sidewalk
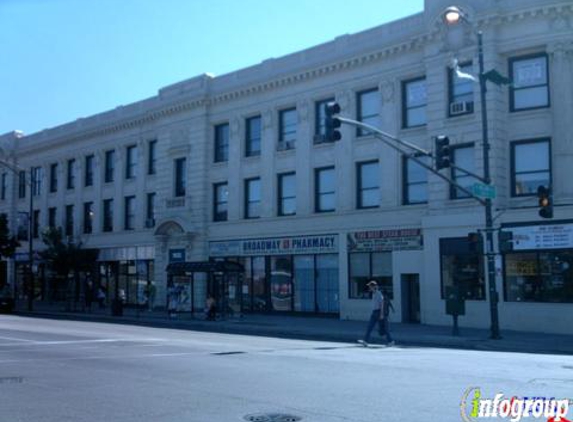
(376, 316)
(385, 323)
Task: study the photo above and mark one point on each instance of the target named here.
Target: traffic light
(332, 123)
(443, 152)
(475, 243)
(545, 202)
(505, 241)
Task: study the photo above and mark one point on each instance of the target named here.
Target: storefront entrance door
(411, 298)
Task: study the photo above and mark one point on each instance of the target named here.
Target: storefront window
(327, 283)
(462, 267)
(281, 283)
(259, 277)
(539, 277)
(366, 266)
(304, 283)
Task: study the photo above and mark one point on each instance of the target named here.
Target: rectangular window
(253, 136)
(461, 91)
(152, 157)
(287, 129)
(109, 166)
(368, 109)
(325, 189)
(414, 100)
(108, 215)
(222, 143)
(150, 210)
(530, 166)
(53, 177)
(539, 276)
(320, 120)
(21, 184)
(88, 217)
(366, 266)
(36, 224)
(253, 198)
(180, 166)
(530, 88)
(52, 215)
(69, 220)
(4, 186)
(368, 185)
(71, 174)
(287, 194)
(220, 195)
(415, 179)
(89, 171)
(129, 213)
(464, 157)
(37, 181)
(462, 268)
(130, 161)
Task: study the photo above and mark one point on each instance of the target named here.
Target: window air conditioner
(461, 107)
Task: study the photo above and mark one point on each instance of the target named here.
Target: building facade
(237, 168)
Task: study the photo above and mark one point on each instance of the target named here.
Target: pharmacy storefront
(284, 274)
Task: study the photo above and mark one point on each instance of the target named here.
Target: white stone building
(235, 167)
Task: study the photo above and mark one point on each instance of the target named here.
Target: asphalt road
(58, 371)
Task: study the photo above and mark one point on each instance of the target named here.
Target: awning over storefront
(184, 268)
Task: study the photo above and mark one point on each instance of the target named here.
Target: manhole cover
(272, 417)
(227, 353)
(11, 380)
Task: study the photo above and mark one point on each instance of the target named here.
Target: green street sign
(484, 191)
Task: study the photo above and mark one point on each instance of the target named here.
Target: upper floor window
(108, 215)
(129, 213)
(222, 143)
(414, 100)
(180, 176)
(531, 166)
(109, 166)
(463, 156)
(21, 184)
(152, 157)
(130, 161)
(220, 199)
(530, 88)
(368, 109)
(287, 194)
(287, 129)
(71, 174)
(368, 185)
(89, 171)
(69, 220)
(150, 210)
(53, 177)
(88, 217)
(320, 120)
(253, 136)
(325, 189)
(4, 186)
(37, 181)
(253, 198)
(415, 179)
(461, 91)
(52, 213)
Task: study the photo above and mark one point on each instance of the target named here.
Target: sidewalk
(325, 329)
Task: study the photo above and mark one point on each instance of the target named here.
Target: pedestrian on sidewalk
(376, 316)
(385, 325)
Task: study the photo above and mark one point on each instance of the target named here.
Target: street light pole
(31, 245)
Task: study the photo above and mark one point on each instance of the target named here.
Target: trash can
(117, 307)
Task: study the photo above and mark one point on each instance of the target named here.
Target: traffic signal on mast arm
(545, 202)
(332, 123)
(505, 241)
(443, 152)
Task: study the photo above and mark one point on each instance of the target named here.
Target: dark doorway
(411, 298)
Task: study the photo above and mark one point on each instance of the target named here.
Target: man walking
(385, 323)
(377, 315)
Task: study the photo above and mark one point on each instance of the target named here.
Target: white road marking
(58, 342)
(17, 339)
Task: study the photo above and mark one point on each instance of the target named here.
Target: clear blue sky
(65, 59)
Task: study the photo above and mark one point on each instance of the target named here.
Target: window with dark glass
(69, 220)
(287, 128)
(130, 161)
(152, 157)
(36, 224)
(253, 198)
(462, 268)
(530, 82)
(463, 156)
(4, 186)
(180, 165)
(325, 189)
(253, 136)
(414, 100)
(531, 166)
(88, 217)
(129, 213)
(108, 215)
(320, 120)
(89, 171)
(21, 184)
(220, 195)
(461, 91)
(109, 166)
(150, 210)
(37, 181)
(287, 194)
(415, 179)
(222, 143)
(368, 109)
(71, 174)
(368, 184)
(52, 214)
(53, 177)
(366, 266)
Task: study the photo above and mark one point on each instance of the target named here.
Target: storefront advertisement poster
(554, 236)
(385, 240)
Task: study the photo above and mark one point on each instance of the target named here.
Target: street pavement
(55, 370)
